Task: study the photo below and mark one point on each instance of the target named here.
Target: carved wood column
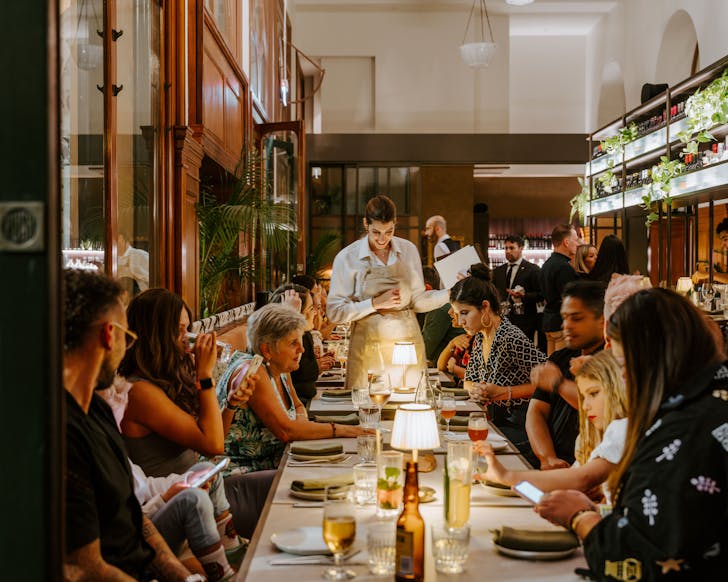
(188, 156)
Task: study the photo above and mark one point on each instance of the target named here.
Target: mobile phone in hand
(528, 491)
(253, 367)
(207, 475)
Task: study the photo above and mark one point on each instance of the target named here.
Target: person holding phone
(671, 487)
(173, 414)
(275, 415)
(182, 511)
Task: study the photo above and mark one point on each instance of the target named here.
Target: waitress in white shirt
(377, 285)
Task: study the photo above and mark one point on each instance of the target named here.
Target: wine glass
(478, 431)
(707, 294)
(339, 529)
(342, 354)
(447, 410)
(380, 389)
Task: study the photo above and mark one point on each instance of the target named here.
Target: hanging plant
(580, 201)
(662, 175)
(615, 144)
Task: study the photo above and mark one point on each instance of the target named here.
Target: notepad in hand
(317, 449)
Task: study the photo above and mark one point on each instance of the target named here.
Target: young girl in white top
(603, 426)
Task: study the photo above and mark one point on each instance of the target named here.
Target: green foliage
(323, 252)
(615, 144)
(579, 202)
(248, 210)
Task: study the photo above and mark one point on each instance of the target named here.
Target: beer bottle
(410, 553)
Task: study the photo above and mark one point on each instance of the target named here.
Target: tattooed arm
(165, 565)
(86, 563)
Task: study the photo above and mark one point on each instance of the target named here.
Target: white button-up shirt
(350, 265)
(441, 249)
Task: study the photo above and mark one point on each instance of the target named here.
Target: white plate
(531, 555)
(342, 399)
(322, 458)
(498, 491)
(302, 541)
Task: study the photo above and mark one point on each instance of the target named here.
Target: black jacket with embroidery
(671, 520)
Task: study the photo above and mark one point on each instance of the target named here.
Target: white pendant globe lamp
(478, 54)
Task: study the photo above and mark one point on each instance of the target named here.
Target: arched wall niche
(678, 58)
(612, 100)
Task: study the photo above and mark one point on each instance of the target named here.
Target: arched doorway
(612, 101)
(678, 57)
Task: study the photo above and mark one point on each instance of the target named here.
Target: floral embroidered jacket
(671, 518)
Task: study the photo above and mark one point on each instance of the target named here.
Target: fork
(318, 462)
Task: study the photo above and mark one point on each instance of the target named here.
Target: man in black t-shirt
(552, 421)
(107, 536)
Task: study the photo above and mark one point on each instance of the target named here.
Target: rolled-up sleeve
(422, 300)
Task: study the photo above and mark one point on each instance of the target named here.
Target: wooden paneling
(213, 82)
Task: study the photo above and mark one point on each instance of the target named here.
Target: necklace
(382, 255)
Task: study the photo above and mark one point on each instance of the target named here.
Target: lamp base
(426, 462)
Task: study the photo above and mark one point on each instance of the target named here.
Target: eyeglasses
(131, 337)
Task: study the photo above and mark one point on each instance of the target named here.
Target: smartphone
(253, 367)
(205, 477)
(528, 491)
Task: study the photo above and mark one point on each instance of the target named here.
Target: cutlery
(314, 559)
(318, 462)
(309, 504)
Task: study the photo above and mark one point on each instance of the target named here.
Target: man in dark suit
(517, 281)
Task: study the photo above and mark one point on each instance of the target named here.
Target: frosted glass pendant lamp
(478, 54)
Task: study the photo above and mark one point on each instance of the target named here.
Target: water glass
(359, 396)
(365, 483)
(390, 484)
(458, 479)
(450, 546)
(369, 416)
(381, 547)
(366, 448)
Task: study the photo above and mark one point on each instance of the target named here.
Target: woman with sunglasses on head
(377, 285)
(670, 489)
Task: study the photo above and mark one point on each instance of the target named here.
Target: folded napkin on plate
(315, 449)
(352, 418)
(456, 422)
(321, 484)
(338, 394)
(456, 391)
(534, 541)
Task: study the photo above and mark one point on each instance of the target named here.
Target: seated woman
(671, 487)
(602, 430)
(456, 354)
(501, 358)
(275, 415)
(304, 378)
(172, 414)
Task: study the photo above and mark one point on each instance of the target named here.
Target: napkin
(338, 394)
(457, 423)
(321, 484)
(497, 485)
(352, 418)
(313, 449)
(534, 541)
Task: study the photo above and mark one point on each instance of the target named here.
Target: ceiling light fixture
(478, 55)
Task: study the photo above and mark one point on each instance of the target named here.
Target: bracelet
(574, 522)
(231, 408)
(333, 430)
(510, 393)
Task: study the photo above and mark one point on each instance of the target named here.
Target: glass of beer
(477, 426)
(339, 529)
(458, 478)
(447, 410)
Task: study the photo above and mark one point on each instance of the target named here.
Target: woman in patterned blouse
(275, 415)
(671, 487)
(501, 356)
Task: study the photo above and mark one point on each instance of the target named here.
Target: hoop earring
(487, 326)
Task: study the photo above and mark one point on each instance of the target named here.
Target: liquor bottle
(410, 553)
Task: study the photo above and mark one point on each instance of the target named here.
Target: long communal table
(283, 512)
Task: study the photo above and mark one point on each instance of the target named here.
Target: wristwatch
(204, 383)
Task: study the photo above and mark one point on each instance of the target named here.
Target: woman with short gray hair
(274, 414)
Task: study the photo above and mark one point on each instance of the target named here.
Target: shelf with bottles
(87, 259)
(497, 257)
(530, 242)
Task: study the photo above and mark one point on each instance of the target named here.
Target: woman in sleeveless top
(275, 415)
(377, 285)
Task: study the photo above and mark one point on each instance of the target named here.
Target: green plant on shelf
(705, 109)
(580, 201)
(615, 144)
(659, 190)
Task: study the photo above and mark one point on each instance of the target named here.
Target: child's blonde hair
(603, 368)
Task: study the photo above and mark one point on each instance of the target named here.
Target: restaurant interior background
(157, 102)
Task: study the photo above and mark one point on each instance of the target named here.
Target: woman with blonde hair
(584, 259)
(602, 432)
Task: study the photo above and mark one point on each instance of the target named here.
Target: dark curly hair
(86, 296)
(157, 356)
